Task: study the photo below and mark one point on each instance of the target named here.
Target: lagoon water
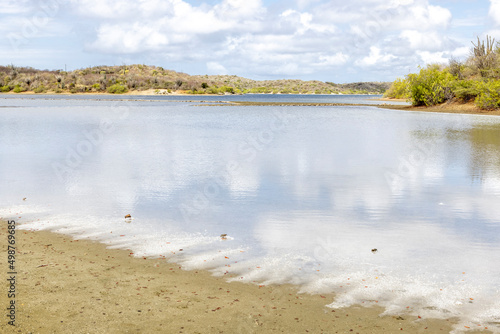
(303, 193)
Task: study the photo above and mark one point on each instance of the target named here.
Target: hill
(130, 78)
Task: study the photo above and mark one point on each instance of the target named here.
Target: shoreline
(80, 286)
(449, 108)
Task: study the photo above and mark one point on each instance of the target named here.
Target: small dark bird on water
(374, 250)
(223, 236)
(128, 216)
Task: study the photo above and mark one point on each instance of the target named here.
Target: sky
(337, 41)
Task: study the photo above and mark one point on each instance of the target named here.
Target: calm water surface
(303, 193)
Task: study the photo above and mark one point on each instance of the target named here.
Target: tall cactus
(484, 55)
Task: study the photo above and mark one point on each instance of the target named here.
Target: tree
(430, 86)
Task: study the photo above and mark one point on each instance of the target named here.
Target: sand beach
(79, 286)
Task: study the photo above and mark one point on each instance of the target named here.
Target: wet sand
(79, 286)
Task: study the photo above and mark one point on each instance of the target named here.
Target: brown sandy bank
(452, 108)
(69, 286)
(388, 99)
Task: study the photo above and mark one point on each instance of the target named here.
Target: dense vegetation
(477, 80)
(121, 79)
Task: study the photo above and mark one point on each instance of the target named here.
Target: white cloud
(494, 11)
(216, 68)
(300, 40)
(15, 6)
(461, 52)
(375, 57)
(295, 38)
(136, 38)
(334, 60)
(304, 22)
(423, 40)
(433, 57)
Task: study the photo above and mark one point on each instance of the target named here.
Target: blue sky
(339, 41)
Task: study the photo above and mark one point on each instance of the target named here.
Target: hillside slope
(126, 78)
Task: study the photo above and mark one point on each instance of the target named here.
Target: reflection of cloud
(245, 181)
(492, 185)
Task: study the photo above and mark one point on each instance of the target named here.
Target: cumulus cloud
(255, 39)
(418, 40)
(216, 68)
(495, 11)
(375, 57)
(433, 57)
(299, 40)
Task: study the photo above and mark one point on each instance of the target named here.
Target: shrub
(40, 89)
(117, 89)
(398, 90)
(17, 89)
(489, 94)
(5, 89)
(226, 89)
(465, 90)
(430, 86)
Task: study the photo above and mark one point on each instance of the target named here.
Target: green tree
(430, 86)
(117, 89)
(489, 94)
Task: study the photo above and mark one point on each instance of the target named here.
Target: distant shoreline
(153, 92)
(451, 108)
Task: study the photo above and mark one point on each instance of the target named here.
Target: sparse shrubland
(476, 80)
(136, 78)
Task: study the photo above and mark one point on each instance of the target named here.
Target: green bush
(40, 89)
(398, 90)
(465, 90)
(430, 86)
(17, 89)
(5, 89)
(117, 89)
(489, 94)
(226, 89)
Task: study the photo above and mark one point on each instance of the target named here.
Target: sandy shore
(79, 286)
(451, 108)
